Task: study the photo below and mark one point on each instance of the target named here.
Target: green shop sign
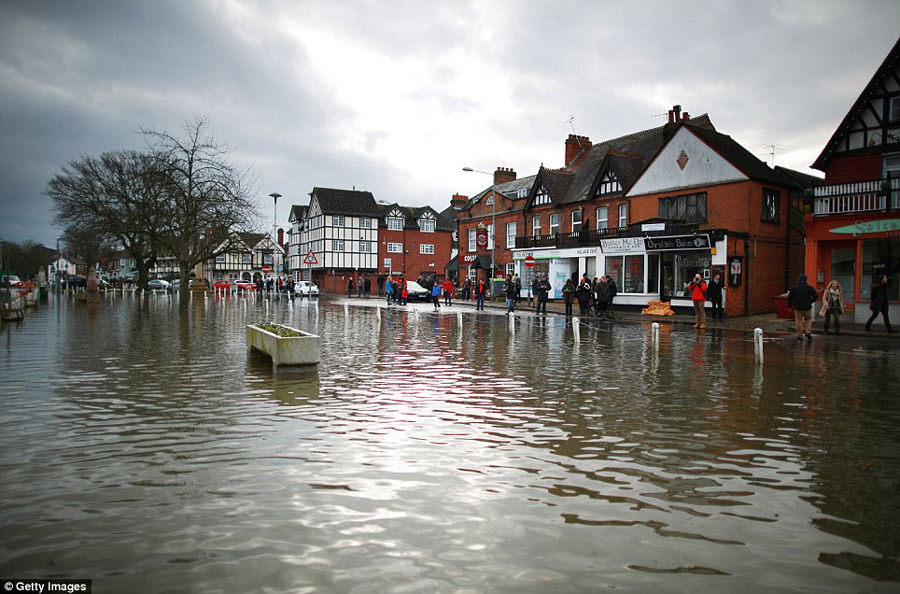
(863, 227)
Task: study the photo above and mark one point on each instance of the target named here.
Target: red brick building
(853, 231)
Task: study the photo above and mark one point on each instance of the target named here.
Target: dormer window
(426, 225)
(542, 197)
(609, 184)
(522, 193)
(395, 223)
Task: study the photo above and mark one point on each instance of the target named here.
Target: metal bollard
(576, 328)
(654, 333)
(758, 345)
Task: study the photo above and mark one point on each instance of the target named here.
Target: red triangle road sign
(310, 258)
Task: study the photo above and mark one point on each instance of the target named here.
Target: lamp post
(57, 264)
(493, 215)
(275, 196)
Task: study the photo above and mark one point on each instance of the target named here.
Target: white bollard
(576, 328)
(378, 313)
(758, 344)
(655, 335)
(346, 310)
(459, 318)
(512, 323)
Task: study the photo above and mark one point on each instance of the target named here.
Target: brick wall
(848, 169)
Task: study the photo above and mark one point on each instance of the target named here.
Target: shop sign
(863, 227)
(678, 242)
(622, 245)
(586, 251)
(467, 259)
(542, 255)
(653, 227)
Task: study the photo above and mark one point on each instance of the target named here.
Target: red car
(245, 286)
(221, 286)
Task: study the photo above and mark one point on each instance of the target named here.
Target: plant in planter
(287, 347)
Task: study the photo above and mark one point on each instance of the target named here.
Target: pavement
(768, 322)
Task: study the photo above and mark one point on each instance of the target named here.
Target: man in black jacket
(800, 298)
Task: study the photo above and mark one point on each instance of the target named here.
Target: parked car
(157, 284)
(12, 279)
(417, 292)
(306, 289)
(245, 286)
(221, 286)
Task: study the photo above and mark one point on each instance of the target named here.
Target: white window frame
(426, 225)
(337, 221)
(511, 235)
(394, 247)
(554, 223)
(337, 245)
(473, 239)
(576, 224)
(395, 223)
(510, 268)
(602, 217)
(426, 248)
(536, 226)
(365, 223)
(490, 230)
(365, 247)
(623, 214)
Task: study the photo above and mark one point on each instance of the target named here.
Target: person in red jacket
(404, 290)
(447, 287)
(698, 297)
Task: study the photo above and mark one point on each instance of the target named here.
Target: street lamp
(493, 214)
(57, 264)
(275, 196)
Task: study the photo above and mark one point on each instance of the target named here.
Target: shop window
(634, 274)
(690, 208)
(679, 268)
(880, 256)
(771, 205)
(653, 273)
(614, 265)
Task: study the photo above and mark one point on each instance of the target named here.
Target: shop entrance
(843, 270)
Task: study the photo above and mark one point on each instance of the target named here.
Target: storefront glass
(634, 274)
(652, 273)
(678, 268)
(880, 256)
(614, 267)
(843, 270)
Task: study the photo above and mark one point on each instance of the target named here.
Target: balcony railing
(857, 197)
(586, 237)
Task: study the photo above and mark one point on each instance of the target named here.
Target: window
(601, 217)
(608, 184)
(690, 208)
(895, 109)
(246, 258)
(395, 248)
(510, 235)
(490, 200)
(337, 221)
(614, 269)
(426, 225)
(365, 223)
(880, 256)
(220, 259)
(365, 247)
(472, 240)
(490, 230)
(522, 193)
(634, 274)
(426, 248)
(395, 223)
(771, 205)
(576, 221)
(623, 215)
(554, 223)
(510, 268)
(535, 226)
(542, 197)
(337, 245)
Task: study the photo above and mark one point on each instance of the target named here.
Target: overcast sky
(396, 97)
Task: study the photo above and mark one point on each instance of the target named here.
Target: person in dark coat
(613, 291)
(568, 292)
(349, 287)
(880, 302)
(380, 280)
(543, 291)
(510, 290)
(480, 292)
(714, 296)
(583, 294)
(800, 299)
(603, 291)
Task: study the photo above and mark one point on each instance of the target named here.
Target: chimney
(280, 236)
(576, 148)
(503, 175)
(457, 201)
(685, 117)
(677, 110)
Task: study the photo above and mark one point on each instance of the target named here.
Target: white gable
(686, 162)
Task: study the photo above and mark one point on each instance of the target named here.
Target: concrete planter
(291, 351)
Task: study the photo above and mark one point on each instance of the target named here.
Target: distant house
(414, 241)
(247, 257)
(853, 231)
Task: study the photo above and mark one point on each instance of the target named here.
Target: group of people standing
(396, 290)
(802, 296)
(596, 295)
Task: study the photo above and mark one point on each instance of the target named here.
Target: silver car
(306, 289)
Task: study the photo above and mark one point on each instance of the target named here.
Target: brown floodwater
(453, 452)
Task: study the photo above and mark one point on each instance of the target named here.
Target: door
(843, 270)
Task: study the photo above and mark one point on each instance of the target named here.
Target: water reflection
(440, 452)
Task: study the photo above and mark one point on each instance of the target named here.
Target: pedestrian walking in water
(389, 289)
(714, 295)
(613, 291)
(367, 287)
(403, 290)
(518, 282)
(833, 305)
(568, 292)
(436, 295)
(697, 288)
(467, 289)
(349, 287)
(880, 302)
(800, 299)
(603, 292)
(510, 290)
(583, 294)
(448, 292)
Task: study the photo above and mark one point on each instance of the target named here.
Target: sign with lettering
(653, 227)
(678, 242)
(863, 227)
(619, 245)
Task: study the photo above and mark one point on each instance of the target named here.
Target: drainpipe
(746, 277)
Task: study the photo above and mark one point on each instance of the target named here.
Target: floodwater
(452, 452)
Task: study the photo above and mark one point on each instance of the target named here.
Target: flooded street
(451, 452)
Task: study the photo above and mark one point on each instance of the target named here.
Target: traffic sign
(310, 258)
(529, 261)
(266, 269)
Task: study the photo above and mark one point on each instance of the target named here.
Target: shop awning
(482, 262)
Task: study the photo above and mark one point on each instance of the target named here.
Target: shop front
(855, 250)
(559, 265)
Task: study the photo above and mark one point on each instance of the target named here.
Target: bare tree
(117, 196)
(205, 198)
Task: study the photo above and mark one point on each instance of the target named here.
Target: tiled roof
(800, 179)
(740, 157)
(346, 202)
(298, 211)
(508, 189)
(251, 239)
(411, 215)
